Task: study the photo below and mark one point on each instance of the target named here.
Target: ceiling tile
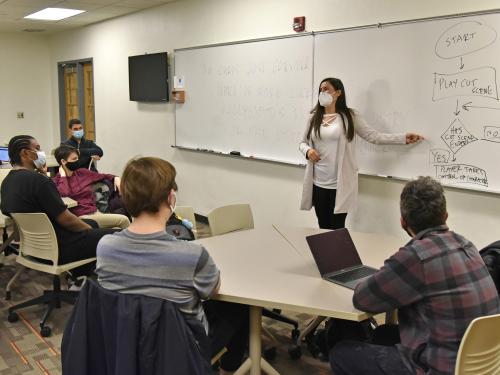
(13, 11)
(17, 11)
(114, 10)
(141, 3)
(81, 5)
(96, 2)
(33, 3)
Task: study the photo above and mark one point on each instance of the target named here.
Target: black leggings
(324, 204)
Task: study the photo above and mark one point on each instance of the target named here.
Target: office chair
(7, 248)
(38, 250)
(230, 218)
(479, 351)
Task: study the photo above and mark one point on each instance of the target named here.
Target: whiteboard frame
(286, 36)
(218, 153)
(409, 21)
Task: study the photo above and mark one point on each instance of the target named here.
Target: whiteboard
(437, 78)
(251, 97)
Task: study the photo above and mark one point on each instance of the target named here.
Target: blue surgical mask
(41, 160)
(78, 134)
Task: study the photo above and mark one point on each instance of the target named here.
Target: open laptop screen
(4, 154)
(333, 251)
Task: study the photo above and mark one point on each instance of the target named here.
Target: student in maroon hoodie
(76, 183)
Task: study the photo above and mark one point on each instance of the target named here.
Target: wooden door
(71, 94)
(78, 90)
(88, 101)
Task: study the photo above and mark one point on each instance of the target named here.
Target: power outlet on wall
(20, 114)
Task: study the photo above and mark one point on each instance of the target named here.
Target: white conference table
(273, 268)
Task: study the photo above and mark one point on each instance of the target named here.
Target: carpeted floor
(24, 351)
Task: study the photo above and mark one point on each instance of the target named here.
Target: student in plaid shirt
(437, 281)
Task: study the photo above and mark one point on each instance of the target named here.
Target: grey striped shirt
(158, 265)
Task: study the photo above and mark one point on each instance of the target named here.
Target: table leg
(255, 363)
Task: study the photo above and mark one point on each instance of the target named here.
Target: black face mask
(72, 165)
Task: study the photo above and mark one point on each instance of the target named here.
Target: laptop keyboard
(357, 273)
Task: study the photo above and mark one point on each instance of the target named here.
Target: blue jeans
(359, 358)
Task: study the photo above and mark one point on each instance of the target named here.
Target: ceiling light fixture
(53, 14)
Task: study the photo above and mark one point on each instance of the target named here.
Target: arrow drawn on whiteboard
(461, 63)
(456, 112)
(467, 106)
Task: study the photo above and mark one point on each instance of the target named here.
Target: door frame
(81, 101)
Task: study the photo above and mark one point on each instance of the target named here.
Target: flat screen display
(4, 154)
(148, 77)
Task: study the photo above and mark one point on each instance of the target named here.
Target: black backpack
(322, 340)
(491, 257)
(177, 228)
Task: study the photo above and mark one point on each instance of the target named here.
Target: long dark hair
(341, 106)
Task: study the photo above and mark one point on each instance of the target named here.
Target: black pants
(380, 357)
(229, 328)
(324, 205)
(360, 358)
(84, 248)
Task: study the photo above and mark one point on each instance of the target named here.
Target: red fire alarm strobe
(299, 24)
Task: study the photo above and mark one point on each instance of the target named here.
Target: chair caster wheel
(12, 317)
(294, 352)
(45, 331)
(7, 296)
(295, 334)
(270, 353)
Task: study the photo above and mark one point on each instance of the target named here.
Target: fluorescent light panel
(54, 14)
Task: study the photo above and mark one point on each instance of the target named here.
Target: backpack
(179, 228)
(322, 340)
(491, 258)
(102, 194)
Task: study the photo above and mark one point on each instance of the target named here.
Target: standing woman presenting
(331, 177)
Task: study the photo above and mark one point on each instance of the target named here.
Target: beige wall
(25, 86)
(126, 128)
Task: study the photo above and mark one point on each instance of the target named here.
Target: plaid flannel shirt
(439, 283)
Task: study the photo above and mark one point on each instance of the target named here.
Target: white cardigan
(347, 175)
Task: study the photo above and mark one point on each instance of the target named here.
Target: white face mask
(41, 159)
(172, 208)
(325, 99)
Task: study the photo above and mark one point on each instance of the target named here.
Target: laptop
(4, 154)
(337, 259)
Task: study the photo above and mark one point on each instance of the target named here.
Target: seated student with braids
(144, 259)
(27, 189)
(76, 183)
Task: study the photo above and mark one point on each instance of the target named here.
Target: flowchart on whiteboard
(459, 88)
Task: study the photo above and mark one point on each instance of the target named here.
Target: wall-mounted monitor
(148, 77)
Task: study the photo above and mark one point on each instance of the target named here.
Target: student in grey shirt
(144, 259)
